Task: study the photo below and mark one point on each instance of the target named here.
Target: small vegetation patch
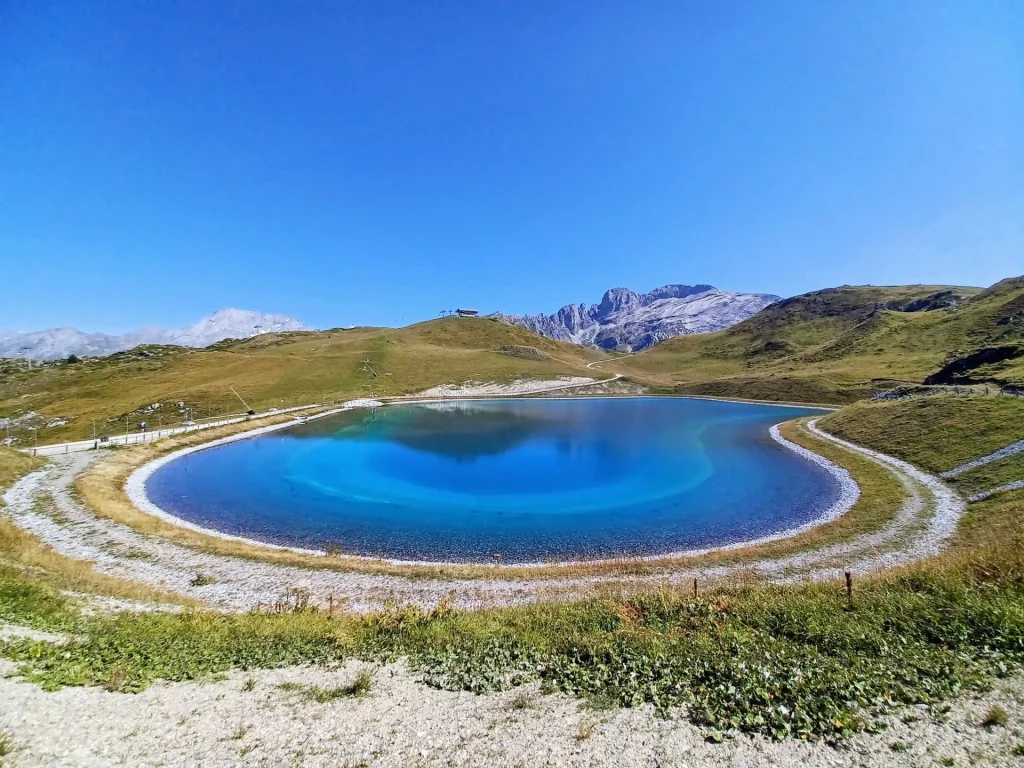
(6, 746)
(523, 700)
(995, 718)
(32, 604)
(358, 687)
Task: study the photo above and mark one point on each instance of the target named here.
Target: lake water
(532, 480)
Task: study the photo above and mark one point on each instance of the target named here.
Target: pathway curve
(42, 504)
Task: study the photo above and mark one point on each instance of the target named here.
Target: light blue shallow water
(531, 480)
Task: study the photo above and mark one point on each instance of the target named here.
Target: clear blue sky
(375, 162)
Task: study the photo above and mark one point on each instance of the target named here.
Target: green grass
(33, 604)
(6, 746)
(995, 718)
(989, 476)
(933, 433)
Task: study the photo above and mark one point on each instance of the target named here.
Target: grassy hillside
(934, 433)
(843, 344)
(276, 370)
(833, 346)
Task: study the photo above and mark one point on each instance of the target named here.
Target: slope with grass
(934, 433)
(275, 370)
(843, 344)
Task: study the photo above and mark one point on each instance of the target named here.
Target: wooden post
(849, 591)
(330, 604)
(694, 587)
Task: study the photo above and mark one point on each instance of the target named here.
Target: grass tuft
(202, 580)
(359, 687)
(995, 718)
(6, 745)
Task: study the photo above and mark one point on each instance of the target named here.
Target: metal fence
(910, 392)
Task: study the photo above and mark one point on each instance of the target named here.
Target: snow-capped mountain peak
(56, 343)
(627, 320)
(233, 324)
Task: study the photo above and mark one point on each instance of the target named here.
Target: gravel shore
(248, 719)
(43, 505)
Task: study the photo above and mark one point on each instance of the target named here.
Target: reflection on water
(463, 432)
(531, 479)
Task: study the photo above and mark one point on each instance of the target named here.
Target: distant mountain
(629, 320)
(56, 343)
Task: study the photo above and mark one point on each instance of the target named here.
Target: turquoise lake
(531, 480)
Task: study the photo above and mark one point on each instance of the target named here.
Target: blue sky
(375, 162)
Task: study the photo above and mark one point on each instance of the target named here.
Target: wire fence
(33, 430)
(912, 391)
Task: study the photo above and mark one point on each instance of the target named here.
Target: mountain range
(56, 343)
(632, 321)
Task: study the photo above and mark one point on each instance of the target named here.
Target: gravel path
(993, 491)
(517, 387)
(1002, 453)
(42, 504)
(402, 722)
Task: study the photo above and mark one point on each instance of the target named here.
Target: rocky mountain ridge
(632, 321)
(56, 343)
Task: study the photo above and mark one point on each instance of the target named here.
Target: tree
(71, 359)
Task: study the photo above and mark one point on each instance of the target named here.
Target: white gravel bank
(517, 387)
(41, 504)
(404, 723)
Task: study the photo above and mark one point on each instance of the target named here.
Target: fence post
(849, 591)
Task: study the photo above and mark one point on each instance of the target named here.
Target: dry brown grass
(101, 487)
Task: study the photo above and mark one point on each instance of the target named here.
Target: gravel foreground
(248, 719)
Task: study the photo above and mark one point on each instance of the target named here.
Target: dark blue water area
(531, 480)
